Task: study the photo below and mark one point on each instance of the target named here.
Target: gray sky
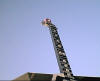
(26, 46)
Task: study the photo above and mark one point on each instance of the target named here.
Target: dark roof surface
(48, 77)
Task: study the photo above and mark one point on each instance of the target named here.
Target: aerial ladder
(59, 51)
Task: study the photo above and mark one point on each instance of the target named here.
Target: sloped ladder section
(59, 51)
(60, 54)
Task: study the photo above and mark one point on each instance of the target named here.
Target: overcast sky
(26, 46)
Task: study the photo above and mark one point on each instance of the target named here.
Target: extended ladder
(59, 50)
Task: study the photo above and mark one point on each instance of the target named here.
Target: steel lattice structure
(59, 51)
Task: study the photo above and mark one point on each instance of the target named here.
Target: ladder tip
(46, 22)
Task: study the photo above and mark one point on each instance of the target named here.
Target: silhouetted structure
(49, 77)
